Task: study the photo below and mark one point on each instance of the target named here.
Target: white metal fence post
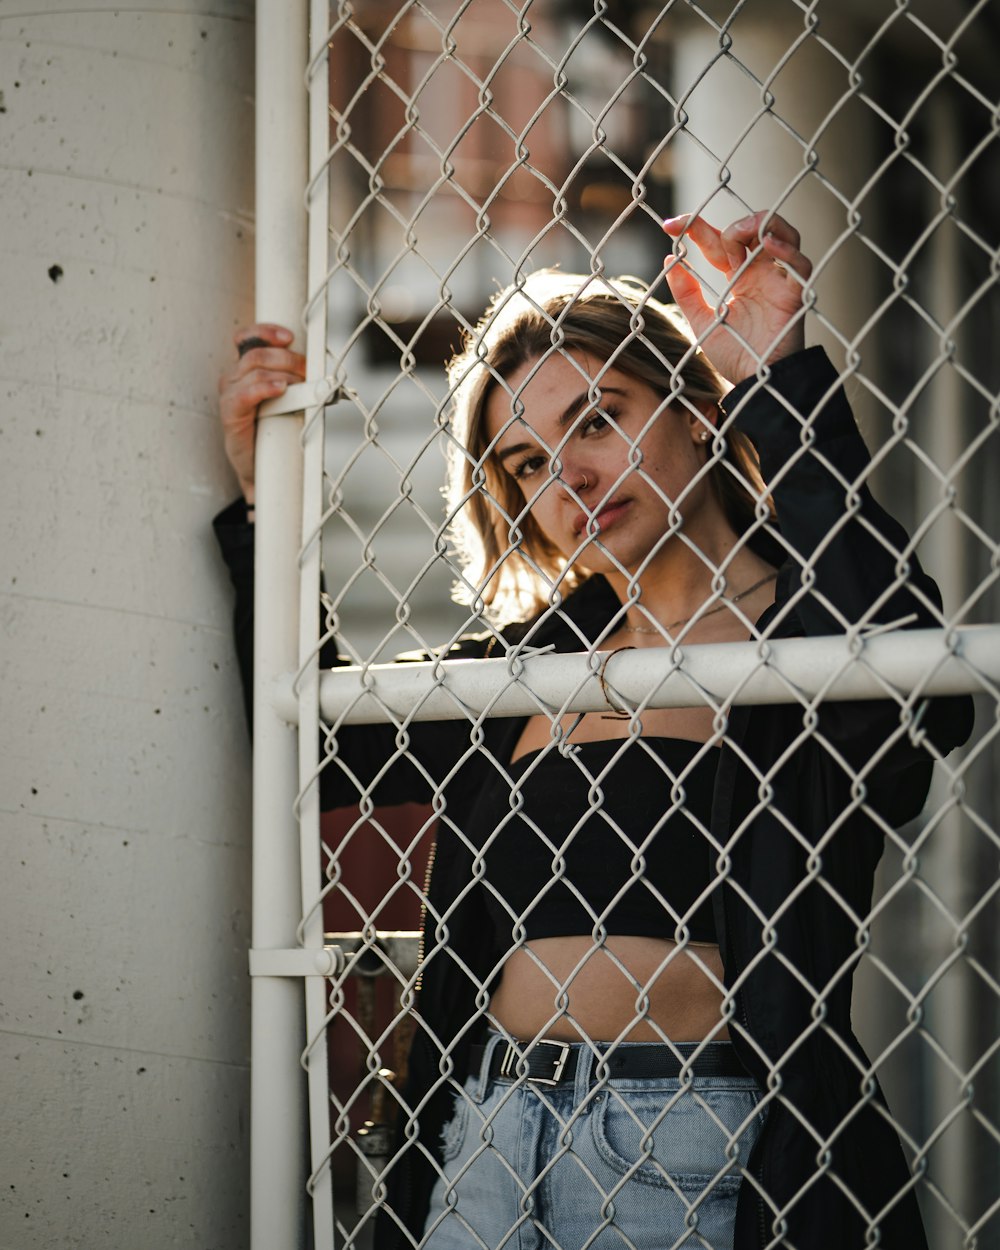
(277, 1088)
(316, 1061)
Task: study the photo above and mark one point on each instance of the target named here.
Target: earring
(705, 436)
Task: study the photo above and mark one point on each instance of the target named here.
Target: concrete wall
(127, 184)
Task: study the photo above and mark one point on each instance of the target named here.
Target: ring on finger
(248, 344)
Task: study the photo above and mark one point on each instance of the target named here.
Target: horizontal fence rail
(896, 664)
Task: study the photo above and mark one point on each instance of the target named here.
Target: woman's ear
(702, 420)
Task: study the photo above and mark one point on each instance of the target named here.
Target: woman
(634, 1016)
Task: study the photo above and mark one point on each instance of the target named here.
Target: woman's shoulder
(566, 624)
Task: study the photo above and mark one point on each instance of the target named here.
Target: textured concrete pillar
(127, 183)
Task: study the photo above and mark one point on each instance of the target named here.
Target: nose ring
(586, 482)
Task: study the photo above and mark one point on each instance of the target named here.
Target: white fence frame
(290, 691)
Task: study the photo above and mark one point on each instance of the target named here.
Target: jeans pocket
(697, 1144)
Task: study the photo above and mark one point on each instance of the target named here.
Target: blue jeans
(593, 1164)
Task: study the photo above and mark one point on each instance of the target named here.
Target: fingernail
(743, 224)
(672, 221)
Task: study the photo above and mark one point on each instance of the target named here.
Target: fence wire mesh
(470, 145)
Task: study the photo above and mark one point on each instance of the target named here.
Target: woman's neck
(678, 581)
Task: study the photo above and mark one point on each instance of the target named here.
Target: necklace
(723, 603)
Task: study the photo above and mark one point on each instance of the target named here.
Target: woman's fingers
(777, 238)
(765, 232)
(727, 249)
(725, 254)
(265, 345)
(265, 333)
(688, 295)
(252, 389)
(787, 254)
(264, 360)
(751, 230)
(706, 238)
(278, 359)
(260, 367)
(247, 345)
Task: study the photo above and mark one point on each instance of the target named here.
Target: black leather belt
(554, 1063)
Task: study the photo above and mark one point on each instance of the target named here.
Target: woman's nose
(578, 478)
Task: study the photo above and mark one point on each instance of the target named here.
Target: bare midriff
(635, 989)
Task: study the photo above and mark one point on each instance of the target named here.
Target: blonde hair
(509, 567)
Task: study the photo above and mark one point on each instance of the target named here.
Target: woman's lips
(603, 519)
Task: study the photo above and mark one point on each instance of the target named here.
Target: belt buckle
(508, 1065)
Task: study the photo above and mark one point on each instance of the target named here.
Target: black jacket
(802, 799)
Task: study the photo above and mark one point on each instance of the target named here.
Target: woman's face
(609, 470)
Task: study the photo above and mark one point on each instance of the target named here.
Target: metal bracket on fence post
(328, 961)
(391, 949)
(303, 395)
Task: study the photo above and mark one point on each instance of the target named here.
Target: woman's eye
(527, 467)
(598, 420)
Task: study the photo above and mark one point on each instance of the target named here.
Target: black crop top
(604, 835)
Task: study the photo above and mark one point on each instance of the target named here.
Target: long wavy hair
(509, 567)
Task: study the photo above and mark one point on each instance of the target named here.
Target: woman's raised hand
(266, 367)
(762, 300)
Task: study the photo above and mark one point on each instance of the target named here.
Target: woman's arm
(234, 532)
(849, 563)
(374, 761)
(388, 766)
(265, 367)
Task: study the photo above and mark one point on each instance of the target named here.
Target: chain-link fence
(468, 146)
